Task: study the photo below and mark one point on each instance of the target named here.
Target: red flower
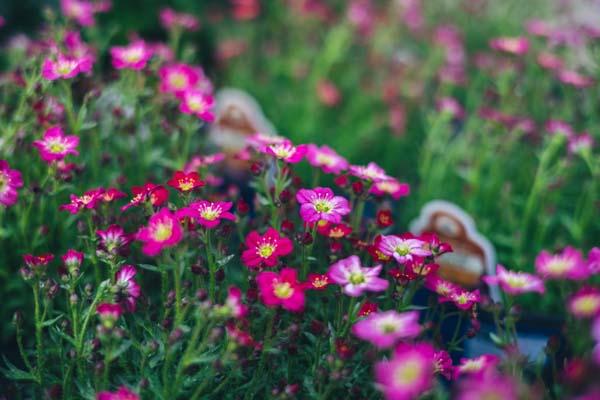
(384, 218)
(185, 182)
(317, 281)
(265, 250)
(156, 194)
(38, 261)
(367, 308)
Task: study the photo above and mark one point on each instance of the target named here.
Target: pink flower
(513, 282)
(234, 304)
(442, 364)
(79, 10)
(407, 374)
(127, 289)
(37, 261)
(325, 158)
(317, 281)
(281, 289)
(55, 146)
(133, 56)
(178, 78)
(112, 194)
(392, 187)
(72, 259)
(384, 329)
(580, 143)
(113, 240)
(198, 103)
(170, 19)
(558, 127)
(371, 172)
(265, 250)
(463, 299)
(109, 314)
(89, 200)
(355, 279)
(403, 249)
(286, 151)
(585, 303)
(121, 394)
(492, 386)
(478, 366)
(65, 67)
(163, 230)
(156, 194)
(569, 264)
(10, 181)
(575, 79)
(321, 204)
(594, 260)
(259, 140)
(512, 45)
(451, 106)
(209, 214)
(442, 287)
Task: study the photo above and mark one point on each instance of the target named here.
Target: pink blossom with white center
(326, 158)
(443, 288)
(89, 200)
(178, 78)
(478, 366)
(321, 204)
(127, 289)
(513, 282)
(198, 103)
(64, 67)
(55, 145)
(72, 259)
(234, 303)
(370, 172)
(171, 19)
(403, 250)
(286, 151)
(260, 140)
(10, 181)
(568, 264)
(209, 214)
(112, 240)
(355, 279)
(558, 127)
(463, 299)
(384, 329)
(585, 303)
(109, 314)
(575, 79)
(593, 260)
(580, 143)
(512, 45)
(79, 10)
(133, 56)
(163, 230)
(391, 187)
(408, 374)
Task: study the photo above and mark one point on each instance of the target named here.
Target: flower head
(126, 288)
(321, 204)
(580, 143)
(513, 282)
(317, 281)
(407, 374)
(113, 240)
(286, 151)
(265, 250)
(171, 19)
(463, 299)
(355, 279)
(371, 172)
(384, 329)
(185, 182)
(81, 11)
(404, 250)
(512, 45)
(65, 67)
(89, 200)
(568, 264)
(10, 181)
(72, 259)
(492, 386)
(391, 187)
(594, 260)
(197, 102)
(281, 289)
(209, 214)
(133, 56)
(326, 158)
(163, 230)
(442, 364)
(109, 314)
(585, 303)
(55, 146)
(112, 194)
(121, 394)
(333, 231)
(443, 288)
(178, 78)
(35, 262)
(233, 304)
(156, 194)
(478, 366)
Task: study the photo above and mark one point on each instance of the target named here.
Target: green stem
(38, 332)
(212, 267)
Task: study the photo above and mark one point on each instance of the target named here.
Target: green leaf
(150, 267)
(496, 339)
(225, 260)
(120, 350)
(51, 322)
(14, 373)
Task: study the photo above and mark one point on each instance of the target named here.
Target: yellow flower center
(325, 159)
(322, 206)
(196, 104)
(266, 250)
(210, 214)
(587, 305)
(402, 249)
(283, 290)
(558, 266)
(64, 68)
(356, 278)
(516, 281)
(3, 180)
(178, 80)
(406, 373)
(186, 184)
(133, 55)
(56, 147)
(320, 282)
(163, 231)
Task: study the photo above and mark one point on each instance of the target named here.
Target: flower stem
(38, 332)
(212, 268)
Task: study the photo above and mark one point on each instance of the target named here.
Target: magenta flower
(594, 260)
(260, 140)
(371, 172)
(170, 19)
(463, 299)
(514, 283)
(80, 11)
(391, 187)
(355, 279)
(89, 200)
(209, 214)
(569, 264)
(321, 204)
(163, 230)
(121, 394)
(384, 329)
(234, 304)
(403, 249)
(512, 45)
(113, 240)
(10, 181)
(286, 151)
(72, 259)
(580, 143)
(55, 146)
(575, 79)
(442, 364)
(443, 288)
(265, 250)
(34, 262)
(408, 374)
(492, 386)
(325, 158)
(65, 67)
(198, 103)
(126, 288)
(133, 56)
(479, 366)
(558, 127)
(281, 289)
(178, 78)
(109, 314)
(585, 303)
